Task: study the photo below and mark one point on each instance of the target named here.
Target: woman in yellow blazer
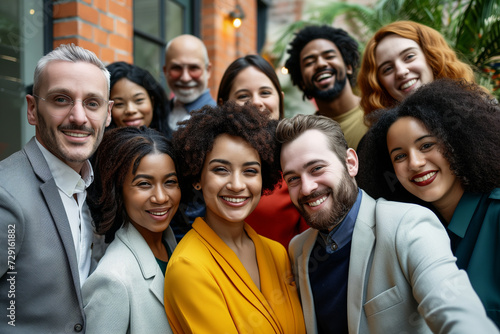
(229, 279)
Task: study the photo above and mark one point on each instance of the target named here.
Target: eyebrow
(150, 177)
(66, 91)
(415, 141)
(248, 90)
(306, 165)
(404, 51)
(226, 162)
(321, 53)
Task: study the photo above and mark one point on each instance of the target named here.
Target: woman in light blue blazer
(135, 197)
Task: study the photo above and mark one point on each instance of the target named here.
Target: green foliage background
(471, 27)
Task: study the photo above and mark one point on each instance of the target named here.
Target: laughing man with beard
(365, 265)
(323, 62)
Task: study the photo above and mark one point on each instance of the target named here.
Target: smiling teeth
(80, 135)
(323, 76)
(317, 202)
(425, 177)
(234, 200)
(408, 84)
(158, 213)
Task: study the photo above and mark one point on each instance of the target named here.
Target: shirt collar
(341, 235)
(204, 99)
(66, 178)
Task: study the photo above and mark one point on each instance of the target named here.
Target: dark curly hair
(195, 137)
(464, 119)
(143, 78)
(347, 46)
(120, 149)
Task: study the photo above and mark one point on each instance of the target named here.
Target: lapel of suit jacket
(150, 269)
(304, 284)
(56, 208)
(363, 241)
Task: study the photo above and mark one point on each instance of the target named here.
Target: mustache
(191, 83)
(76, 127)
(305, 199)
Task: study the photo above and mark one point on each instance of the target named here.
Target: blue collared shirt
(204, 99)
(341, 235)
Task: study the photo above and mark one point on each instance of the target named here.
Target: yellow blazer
(207, 289)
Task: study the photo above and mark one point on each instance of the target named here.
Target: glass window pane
(21, 45)
(146, 18)
(174, 14)
(147, 55)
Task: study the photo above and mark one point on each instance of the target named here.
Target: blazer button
(334, 246)
(78, 328)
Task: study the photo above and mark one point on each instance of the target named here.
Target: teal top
(163, 264)
(475, 240)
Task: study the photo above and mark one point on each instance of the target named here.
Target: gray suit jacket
(41, 282)
(402, 275)
(125, 292)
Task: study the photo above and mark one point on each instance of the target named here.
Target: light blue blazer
(402, 275)
(125, 292)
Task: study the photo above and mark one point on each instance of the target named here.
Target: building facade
(134, 31)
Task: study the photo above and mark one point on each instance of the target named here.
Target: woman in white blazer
(135, 196)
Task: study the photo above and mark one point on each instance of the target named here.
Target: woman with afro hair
(441, 147)
(251, 79)
(230, 279)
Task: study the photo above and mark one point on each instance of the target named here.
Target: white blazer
(125, 292)
(402, 275)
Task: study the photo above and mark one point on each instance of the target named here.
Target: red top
(276, 218)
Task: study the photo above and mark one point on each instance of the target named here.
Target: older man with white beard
(366, 265)
(187, 70)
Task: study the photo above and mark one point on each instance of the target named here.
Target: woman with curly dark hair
(139, 100)
(132, 206)
(442, 146)
(233, 279)
(251, 79)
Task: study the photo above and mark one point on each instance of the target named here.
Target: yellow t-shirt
(353, 126)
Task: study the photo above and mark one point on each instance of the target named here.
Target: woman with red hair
(401, 57)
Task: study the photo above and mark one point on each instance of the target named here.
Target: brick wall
(224, 42)
(106, 28)
(102, 26)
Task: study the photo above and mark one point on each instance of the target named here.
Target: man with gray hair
(366, 265)
(187, 70)
(46, 233)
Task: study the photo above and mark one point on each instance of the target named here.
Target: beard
(330, 94)
(343, 198)
(196, 88)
